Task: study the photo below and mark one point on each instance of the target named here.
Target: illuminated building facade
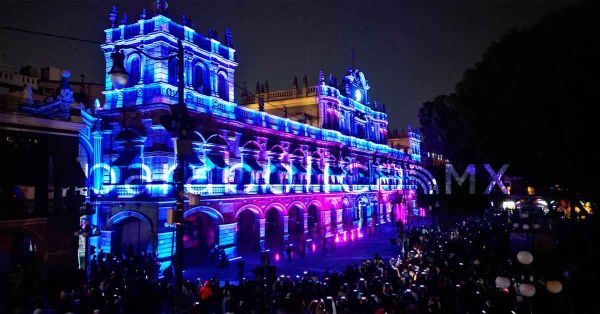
(409, 142)
(254, 180)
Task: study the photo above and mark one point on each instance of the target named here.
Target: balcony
(335, 188)
(359, 187)
(298, 188)
(277, 188)
(164, 190)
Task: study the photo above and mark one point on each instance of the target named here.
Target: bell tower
(209, 64)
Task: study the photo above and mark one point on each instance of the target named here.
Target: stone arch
(333, 207)
(362, 212)
(347, 214)
(134, 68)
(317, 203)
(118, 217)
(201, 137)
(217, 139)
(129, 133)
(298, 152)
(223, 85)
(253, 208)
(247, 219)
(313, 219)
(277, 149)
(213, 213)
(201, 232)
(279, 206)
(126, 233)
(296, 212)
(201, 78)
(274, 226)
(296, 203)
(252, 145)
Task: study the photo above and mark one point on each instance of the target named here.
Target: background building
(38, 213)
(30, 84)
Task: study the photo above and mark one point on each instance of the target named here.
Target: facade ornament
(112, 16)
(321, 77)
(213, 34)
(161, 7)
(143, 14)
(124, 19)
(184, 21)
(59, 108)
(214, 67)
(305, 81)
(28, 95)
(97, 104)
(228, 38)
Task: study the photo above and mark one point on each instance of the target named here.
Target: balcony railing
(161, 190)
(335, 188)
(277, 188)
(298, 188)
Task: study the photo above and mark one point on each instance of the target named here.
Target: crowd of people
(117, 284)
(449, 268)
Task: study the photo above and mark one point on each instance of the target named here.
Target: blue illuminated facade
(254, 181)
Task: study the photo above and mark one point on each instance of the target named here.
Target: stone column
(339, 219)
(286, 234)
(97, 159)
(305, 219)
(189, 75)
(214, 68)
(326, 222)
(261, 223)
(142, 68)
(227, 238)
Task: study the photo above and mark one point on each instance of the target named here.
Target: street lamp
(118, 74)
(180, 125)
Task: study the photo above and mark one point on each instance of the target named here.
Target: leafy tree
(528, 102)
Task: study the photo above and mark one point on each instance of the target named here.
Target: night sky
(409, 51)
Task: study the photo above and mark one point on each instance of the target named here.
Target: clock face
(357, 95)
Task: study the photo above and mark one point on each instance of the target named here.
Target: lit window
(357, 95)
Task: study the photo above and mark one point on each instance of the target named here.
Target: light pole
(180, 124)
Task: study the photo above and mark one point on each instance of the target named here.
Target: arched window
(173, 71)
(201, 83)
(134, 70)
(335, 122)
(223, 86)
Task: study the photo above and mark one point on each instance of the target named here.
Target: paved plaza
(315, 260)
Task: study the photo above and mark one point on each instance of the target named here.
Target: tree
(528, 102)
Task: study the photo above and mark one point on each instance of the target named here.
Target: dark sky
(410, 51)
